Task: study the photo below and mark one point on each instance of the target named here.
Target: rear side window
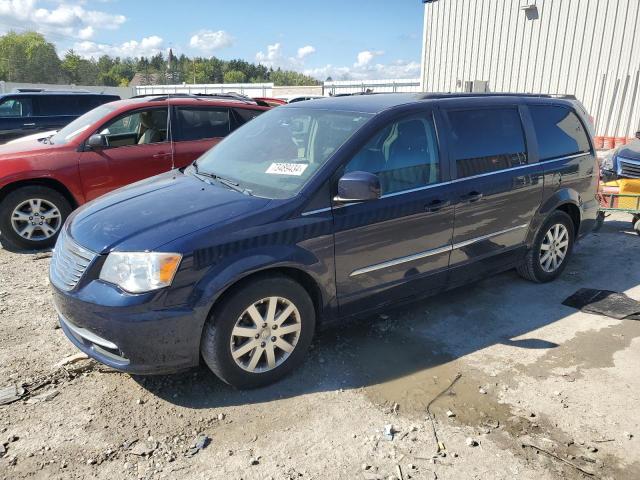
(559, 131)
(53, 105)
(486, 140)
(200, 123)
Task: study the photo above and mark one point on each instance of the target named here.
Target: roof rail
(48, 90)
(155, 97)
(495, 94)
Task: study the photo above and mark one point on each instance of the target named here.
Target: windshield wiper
(47, 139)
(225, 181)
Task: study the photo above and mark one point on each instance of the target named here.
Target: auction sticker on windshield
(287, 169)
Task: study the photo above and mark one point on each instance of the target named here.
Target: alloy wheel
(265, 334)
(554, 247)
(36, 219)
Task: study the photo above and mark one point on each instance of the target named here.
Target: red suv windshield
(81, 124)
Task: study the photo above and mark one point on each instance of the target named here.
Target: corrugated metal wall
(589, 48)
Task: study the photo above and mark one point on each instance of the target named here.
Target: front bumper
(135, 337)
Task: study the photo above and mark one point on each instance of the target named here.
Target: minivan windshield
(275, 154)
(81, 124)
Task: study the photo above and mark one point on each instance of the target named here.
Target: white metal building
(589, 48)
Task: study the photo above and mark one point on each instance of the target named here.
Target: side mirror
(358, 187)
(638, 135)
(97, 142)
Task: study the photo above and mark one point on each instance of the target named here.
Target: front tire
(259, 333)
(31, 217)
(551, 249)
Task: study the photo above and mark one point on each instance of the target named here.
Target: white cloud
(275, 57)
(146, 47)
(208, 41)
(364, 58)
(304, 52)
(86, 33)
(368, 71)
(65, 18)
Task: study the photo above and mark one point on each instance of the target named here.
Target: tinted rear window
(559, 132)
(200, 123)
(486, 140)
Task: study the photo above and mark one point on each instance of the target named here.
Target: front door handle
(437, 205)
(471, 197)
(161, 155)
(28, 124)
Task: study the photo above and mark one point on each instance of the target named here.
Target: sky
(344, 39)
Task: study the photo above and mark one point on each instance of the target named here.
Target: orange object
(620, 141)
(599, 142)
(609, 143)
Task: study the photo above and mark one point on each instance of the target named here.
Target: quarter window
(404, 155)
(559, 132)
(200, 123)
(247, 114)
(486, 140)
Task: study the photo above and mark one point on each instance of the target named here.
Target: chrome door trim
(488, 236)
(398, 261)
(313, 212)
(431, 252)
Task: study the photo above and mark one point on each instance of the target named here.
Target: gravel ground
(542, 391)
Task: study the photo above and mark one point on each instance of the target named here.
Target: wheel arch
(41, 182)
(565, 200)
(306, 280)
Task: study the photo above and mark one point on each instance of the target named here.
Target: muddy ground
(544, 392)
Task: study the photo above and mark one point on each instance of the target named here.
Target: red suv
(115, 144)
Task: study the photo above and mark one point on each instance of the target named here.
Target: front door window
(142, 127)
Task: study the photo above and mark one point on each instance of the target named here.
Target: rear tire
(636, 224)
(259, 333)
(31, 217)
(551, 249)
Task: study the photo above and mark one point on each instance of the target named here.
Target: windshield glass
(275, 154)
(81, 124)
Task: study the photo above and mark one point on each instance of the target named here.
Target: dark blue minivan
(318, 211)
(33, 110)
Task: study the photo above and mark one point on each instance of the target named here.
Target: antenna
(170, 134)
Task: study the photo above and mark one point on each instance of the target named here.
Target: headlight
(140, 272)
(606, 163)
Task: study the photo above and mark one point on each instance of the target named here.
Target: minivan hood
(148, 214)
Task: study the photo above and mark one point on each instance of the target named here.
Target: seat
(154, 124)
(406, 166)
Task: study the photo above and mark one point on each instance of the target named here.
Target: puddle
(587, 350)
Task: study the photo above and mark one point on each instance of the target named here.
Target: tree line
(28, 57)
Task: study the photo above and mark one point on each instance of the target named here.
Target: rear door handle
(28, 124)
(471, 197)
(161, 155)
(437, 205)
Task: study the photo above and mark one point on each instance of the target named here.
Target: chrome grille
(628, 168)
(69, 262)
